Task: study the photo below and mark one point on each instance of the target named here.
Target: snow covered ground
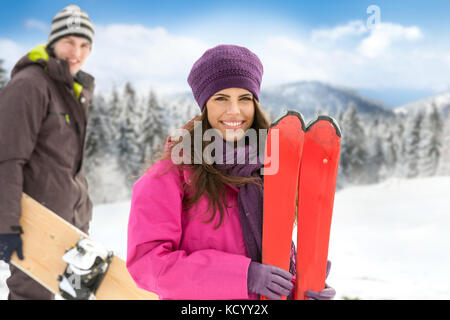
(388, 241)
(391, 240)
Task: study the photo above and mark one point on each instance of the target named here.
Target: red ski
(317, 183)
(308, 158)
(283, 154)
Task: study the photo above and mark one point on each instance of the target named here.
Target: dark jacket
(43, 115)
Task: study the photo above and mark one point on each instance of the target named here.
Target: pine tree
(444, 160)
(179, 112)
(107, 180)
(97, 139)
(390, 149)
(400, 145)
(341, 181)
(128, 146)
(113, 116)
(375, 153)
(153, 132)
(431, 142)
(354, 153)
(412, 143)
(2, 75)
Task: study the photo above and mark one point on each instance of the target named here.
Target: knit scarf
(250, 197)
(243, 161)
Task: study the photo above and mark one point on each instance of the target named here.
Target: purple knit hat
(222, 67)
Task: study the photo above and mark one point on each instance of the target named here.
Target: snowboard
(47, 238)
(302, 190)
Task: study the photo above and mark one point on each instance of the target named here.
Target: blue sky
(296, 40)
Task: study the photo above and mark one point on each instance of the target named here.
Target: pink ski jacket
(173, 253)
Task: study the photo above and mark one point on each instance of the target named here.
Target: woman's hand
(269, 281)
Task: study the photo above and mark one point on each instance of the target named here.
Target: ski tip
(330, 119)
(286, 113)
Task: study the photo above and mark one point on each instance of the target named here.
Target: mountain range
(311, 97)
(441, 101)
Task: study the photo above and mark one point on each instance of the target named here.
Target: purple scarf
(250, 196)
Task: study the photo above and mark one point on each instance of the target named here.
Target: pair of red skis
(300, 171)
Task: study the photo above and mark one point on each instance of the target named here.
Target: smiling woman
(203, 234)
(231, 109)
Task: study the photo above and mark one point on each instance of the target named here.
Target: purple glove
(269, 281)
(8, 244)
(326, 294)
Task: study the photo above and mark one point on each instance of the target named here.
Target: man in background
(43, 116)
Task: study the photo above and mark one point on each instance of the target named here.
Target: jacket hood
(57, 69)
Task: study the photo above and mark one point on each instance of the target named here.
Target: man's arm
(23, 105)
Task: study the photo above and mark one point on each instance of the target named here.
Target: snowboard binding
(87, 264)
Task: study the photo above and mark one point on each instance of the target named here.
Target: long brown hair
(206, 178)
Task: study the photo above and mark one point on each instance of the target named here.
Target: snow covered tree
(430, 147)
(128, 144)
(340, 116)
(444, 161)
(340, 182)
(154, 123)
(99, 164)
(412, 145)
(354, 153)
(115, 113)
(399, 145)
(375, 153)
(390, 148)
(2, 75)
(97, 141)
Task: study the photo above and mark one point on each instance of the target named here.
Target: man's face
(74, 50)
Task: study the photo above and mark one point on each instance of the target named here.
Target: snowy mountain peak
(441, 101)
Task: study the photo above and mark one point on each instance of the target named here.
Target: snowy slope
(388, 241)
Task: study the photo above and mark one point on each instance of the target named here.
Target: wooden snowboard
(47, 236)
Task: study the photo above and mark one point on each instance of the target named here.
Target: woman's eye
(246, 98)
(220, 99)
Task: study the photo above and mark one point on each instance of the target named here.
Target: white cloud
(370, 43)
(38, 25)
(389, 56)
(386, 34)
(447, 59)
(147, 57)
(286, 59)
(10, 52)
(353, 28)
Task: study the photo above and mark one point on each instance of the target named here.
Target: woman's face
(231, 112)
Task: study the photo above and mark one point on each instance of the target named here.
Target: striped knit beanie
(71, 21)
(222, 67)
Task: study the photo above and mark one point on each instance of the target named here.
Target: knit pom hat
(222, 67)
(71, 21)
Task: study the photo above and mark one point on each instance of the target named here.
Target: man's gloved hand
(326, 294)
(8, 244)
(269, 281)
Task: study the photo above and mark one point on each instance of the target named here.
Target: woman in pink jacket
(195, 225)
